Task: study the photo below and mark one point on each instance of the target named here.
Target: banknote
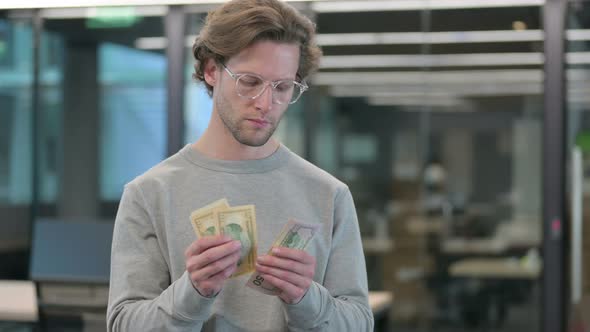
(204, 220)
(239, 222)
(295, 235)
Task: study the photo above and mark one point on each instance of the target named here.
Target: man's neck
(226, 147)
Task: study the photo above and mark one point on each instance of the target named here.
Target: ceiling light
(398, 5)
(438, 60)
(92, 12)
(464, 90)
(151, 43)
(577, 34)
(579, 77)
(20, 4)
(447, 37)
(321, 6)
(159, 43)
(421, 78)
(343, 39)
(456, 103)
(445, 60)
(578, 58)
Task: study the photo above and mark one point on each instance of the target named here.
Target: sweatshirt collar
(274, 161)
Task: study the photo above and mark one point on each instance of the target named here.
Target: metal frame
(554, 160)
(175, 54)
(37, 21)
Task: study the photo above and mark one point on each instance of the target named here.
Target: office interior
(460, 126)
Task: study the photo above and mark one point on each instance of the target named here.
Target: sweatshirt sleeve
(141, 294)
(341, 303)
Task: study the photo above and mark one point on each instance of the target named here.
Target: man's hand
(290, 270)
(209, 261)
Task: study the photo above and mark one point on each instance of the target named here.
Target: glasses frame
(273, 84)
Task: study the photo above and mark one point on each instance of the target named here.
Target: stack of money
(295, 235)
(238, 222)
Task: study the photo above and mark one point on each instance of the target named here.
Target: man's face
(252, 122)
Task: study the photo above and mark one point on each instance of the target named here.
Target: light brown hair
(239, 23)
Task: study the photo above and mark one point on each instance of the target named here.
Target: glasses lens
(249, 86)
(286, 92)
(297, 91)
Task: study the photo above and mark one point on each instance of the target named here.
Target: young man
(252, 55)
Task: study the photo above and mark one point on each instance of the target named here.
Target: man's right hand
(209, 261)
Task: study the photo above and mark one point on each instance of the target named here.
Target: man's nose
(264, 101)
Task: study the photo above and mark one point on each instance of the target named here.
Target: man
(252, 55)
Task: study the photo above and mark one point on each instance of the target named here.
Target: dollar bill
(239, 222)
(295, 235)
(204, 220)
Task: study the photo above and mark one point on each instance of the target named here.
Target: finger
(214, 254)
(293, 254)
(286, 264)
(207, 242)
(204, 243)
(226, 273)
(213, 285)
(217, 279)
(289, 292)
(292, 278)
(215, 267)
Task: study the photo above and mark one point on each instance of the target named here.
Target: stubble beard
(231, 120)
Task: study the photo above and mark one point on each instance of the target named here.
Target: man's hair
(238, 24)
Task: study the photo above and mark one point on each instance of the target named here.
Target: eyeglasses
(251, 86)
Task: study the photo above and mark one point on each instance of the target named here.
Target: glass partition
(436, 118)
(16, 155)
(103, 106)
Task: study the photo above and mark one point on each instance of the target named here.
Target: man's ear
(210, 72)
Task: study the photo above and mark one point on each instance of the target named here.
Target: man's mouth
(261, 123)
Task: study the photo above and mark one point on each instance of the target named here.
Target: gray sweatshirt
(150, 289)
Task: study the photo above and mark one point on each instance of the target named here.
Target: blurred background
(461, 127)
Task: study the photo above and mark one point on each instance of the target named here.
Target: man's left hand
(290, 270)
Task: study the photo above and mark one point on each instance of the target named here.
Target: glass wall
(436, 119)
(16, 155)
(50, 143)
(133, 115)
(197, 103)
(103, 106)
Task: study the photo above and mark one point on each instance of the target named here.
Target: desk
(508, 235)
(18, 301)
(497, 268)
(381, 303)
(502, 281)
(461, 246)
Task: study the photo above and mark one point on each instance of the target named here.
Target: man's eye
(284, 86)
(250, 81)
